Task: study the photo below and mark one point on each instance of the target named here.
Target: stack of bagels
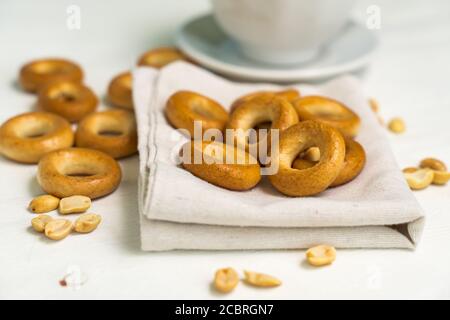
(316, 147)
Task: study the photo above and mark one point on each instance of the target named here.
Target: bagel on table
(184, 108)
(113, 132)
(329, 111)
(160, 57)
(259, 112)
(289, 94)
(37, 73)
(222, 165)
(77, 171)
(120, 91)
(314, 180)
(68, 99)
(26, 138)
(354, 162)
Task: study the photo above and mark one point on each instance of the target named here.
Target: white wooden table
(410, 78)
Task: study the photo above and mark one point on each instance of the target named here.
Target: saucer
(204, 42)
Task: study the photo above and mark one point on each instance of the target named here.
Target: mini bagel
(329, 111)
(185, 107)
(208, 161)
(355, 159)
(37, 73)
(310, 181)
(160, 57)
(29, 136)
(263, 109)
(77, 171)
(120, 91)
(289, 94)
(113, 132)
(70, 100)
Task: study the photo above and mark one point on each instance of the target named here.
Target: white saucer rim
(274, 75)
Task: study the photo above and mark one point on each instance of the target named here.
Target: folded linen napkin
(181, 211)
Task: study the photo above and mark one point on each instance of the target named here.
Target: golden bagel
(268, 109)
(289, 94)
(160, 57)
(113, 132)
(185, 107)
(77, 171)
(355, 159)
(37, 73)
(70, 100)
(120, 91)
(310, 181)
(29, 136)
(330, 112)
(240, 172)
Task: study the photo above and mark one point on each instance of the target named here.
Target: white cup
(282, 31)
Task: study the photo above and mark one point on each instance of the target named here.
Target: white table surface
(410, 77)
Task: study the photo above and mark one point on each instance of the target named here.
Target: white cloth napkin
(181, 211)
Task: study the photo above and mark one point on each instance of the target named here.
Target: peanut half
(260, 279)
(58, 229)
(441, 175)
(40, 222)
(43, 204)
(87, 223)
(321, 255)
(226, 280)
(397, 125)
(312, 154)
(74, 204)
(418, 179)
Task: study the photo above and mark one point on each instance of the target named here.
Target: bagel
(329, 111)
(241, 171)
(310, 181)
(70, 100)
(37, 73)
(355, 159)
(120, 91)
(258, 112)
(289, 94)
(185, 107)
(77, 171)
(29, 136)
(113, 132)
(160, 57)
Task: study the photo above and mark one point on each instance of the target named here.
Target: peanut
(418, 179)
(74, 204)
(312, 154)
(58, 229)
(321, 255)
(441, 175)
(397, 125)
(226, 280)
(87, 223)
(260, 279)
(374, 105)
(40, 222)
(433, 164)
(43, 204)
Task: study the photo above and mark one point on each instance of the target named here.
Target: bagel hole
(79, 175)
(110, 133)
(66, 97)
(35, 132)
